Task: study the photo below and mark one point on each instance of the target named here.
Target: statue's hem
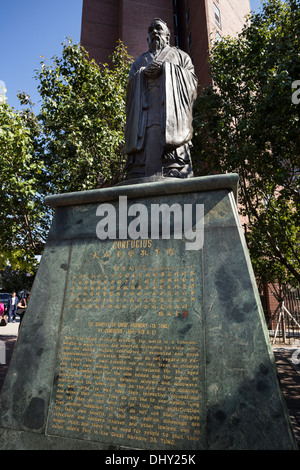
(166, 186)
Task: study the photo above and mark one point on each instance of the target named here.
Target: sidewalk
(289, 373)
(11, 329)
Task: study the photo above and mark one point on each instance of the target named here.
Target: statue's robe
(159, 111)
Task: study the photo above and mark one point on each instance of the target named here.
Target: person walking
(12, 307)
(22, 305)
(3, 319)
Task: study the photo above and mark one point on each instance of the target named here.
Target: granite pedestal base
(133, 343)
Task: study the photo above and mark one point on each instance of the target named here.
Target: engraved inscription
(150, 288)
(130, 362)
(132, 386)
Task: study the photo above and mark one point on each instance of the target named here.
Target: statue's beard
(157, 43)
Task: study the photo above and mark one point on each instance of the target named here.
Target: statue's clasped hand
(154, 69)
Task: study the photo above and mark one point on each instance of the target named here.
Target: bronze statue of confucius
(161, 92)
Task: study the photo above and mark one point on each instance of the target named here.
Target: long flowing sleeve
(136, 110)
(180, 85)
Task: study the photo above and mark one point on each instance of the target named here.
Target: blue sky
(255, 5)
(31, 28)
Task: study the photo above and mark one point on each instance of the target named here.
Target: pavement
(11, 329)
(287, 360)
(288, 365)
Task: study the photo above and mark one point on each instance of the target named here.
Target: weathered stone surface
(144, 344)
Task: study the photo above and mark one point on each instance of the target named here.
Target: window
(190, 41)
(217, 16)
(175, 20)
(188, 16)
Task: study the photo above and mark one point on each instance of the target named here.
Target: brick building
(193, 24)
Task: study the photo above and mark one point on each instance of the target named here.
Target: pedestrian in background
(12, 307)
(22, 305)
(3, 318)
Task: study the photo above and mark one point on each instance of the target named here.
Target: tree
(14, 280)
(247, 123)
(75, 143)
(82, 118)
(23, 218)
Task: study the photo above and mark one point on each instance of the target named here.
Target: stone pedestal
(150, 343)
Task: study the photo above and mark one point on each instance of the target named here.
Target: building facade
(194, 25)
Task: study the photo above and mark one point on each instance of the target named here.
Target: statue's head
(158, 34)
